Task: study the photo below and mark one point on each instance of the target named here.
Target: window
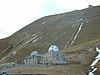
(33, 56)
(57, 58)
(23, 63)
(63, 59)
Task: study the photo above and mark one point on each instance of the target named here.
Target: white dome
(53, 48)
(34, 53)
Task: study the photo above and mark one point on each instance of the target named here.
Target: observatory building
(53, 56)
(33, 59)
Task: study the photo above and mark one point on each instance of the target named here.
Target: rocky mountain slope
(72, 30)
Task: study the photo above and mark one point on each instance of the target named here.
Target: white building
(53, 56)
(56, 57)
(32, 60)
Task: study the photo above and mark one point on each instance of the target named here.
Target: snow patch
(94, 62)
(34, 35)
(79, 20)
(97, 49)
(3, 51)
(92, 72)
(35, 40)
(14, 52)
(43, 22)
(97, 58)
(80, 27)
(6, 57)
(87, 21)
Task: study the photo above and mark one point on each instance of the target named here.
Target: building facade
(53, 56)
(31, 60)
(56, 57)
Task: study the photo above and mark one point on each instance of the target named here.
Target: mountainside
(66, 30)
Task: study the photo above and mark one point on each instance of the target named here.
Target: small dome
(53, 48)
(34, 53)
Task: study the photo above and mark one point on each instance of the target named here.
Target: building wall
(28, 62)
(44, 59)
(32, 61)
(57, 57)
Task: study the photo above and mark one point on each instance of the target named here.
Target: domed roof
(34, 53)
(53, 48)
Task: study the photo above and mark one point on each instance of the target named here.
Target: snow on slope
(97, 58)
(80, 27)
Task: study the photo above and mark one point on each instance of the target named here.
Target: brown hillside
(60, 30)
(77, 33)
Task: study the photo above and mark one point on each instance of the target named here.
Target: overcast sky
(15, 14)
